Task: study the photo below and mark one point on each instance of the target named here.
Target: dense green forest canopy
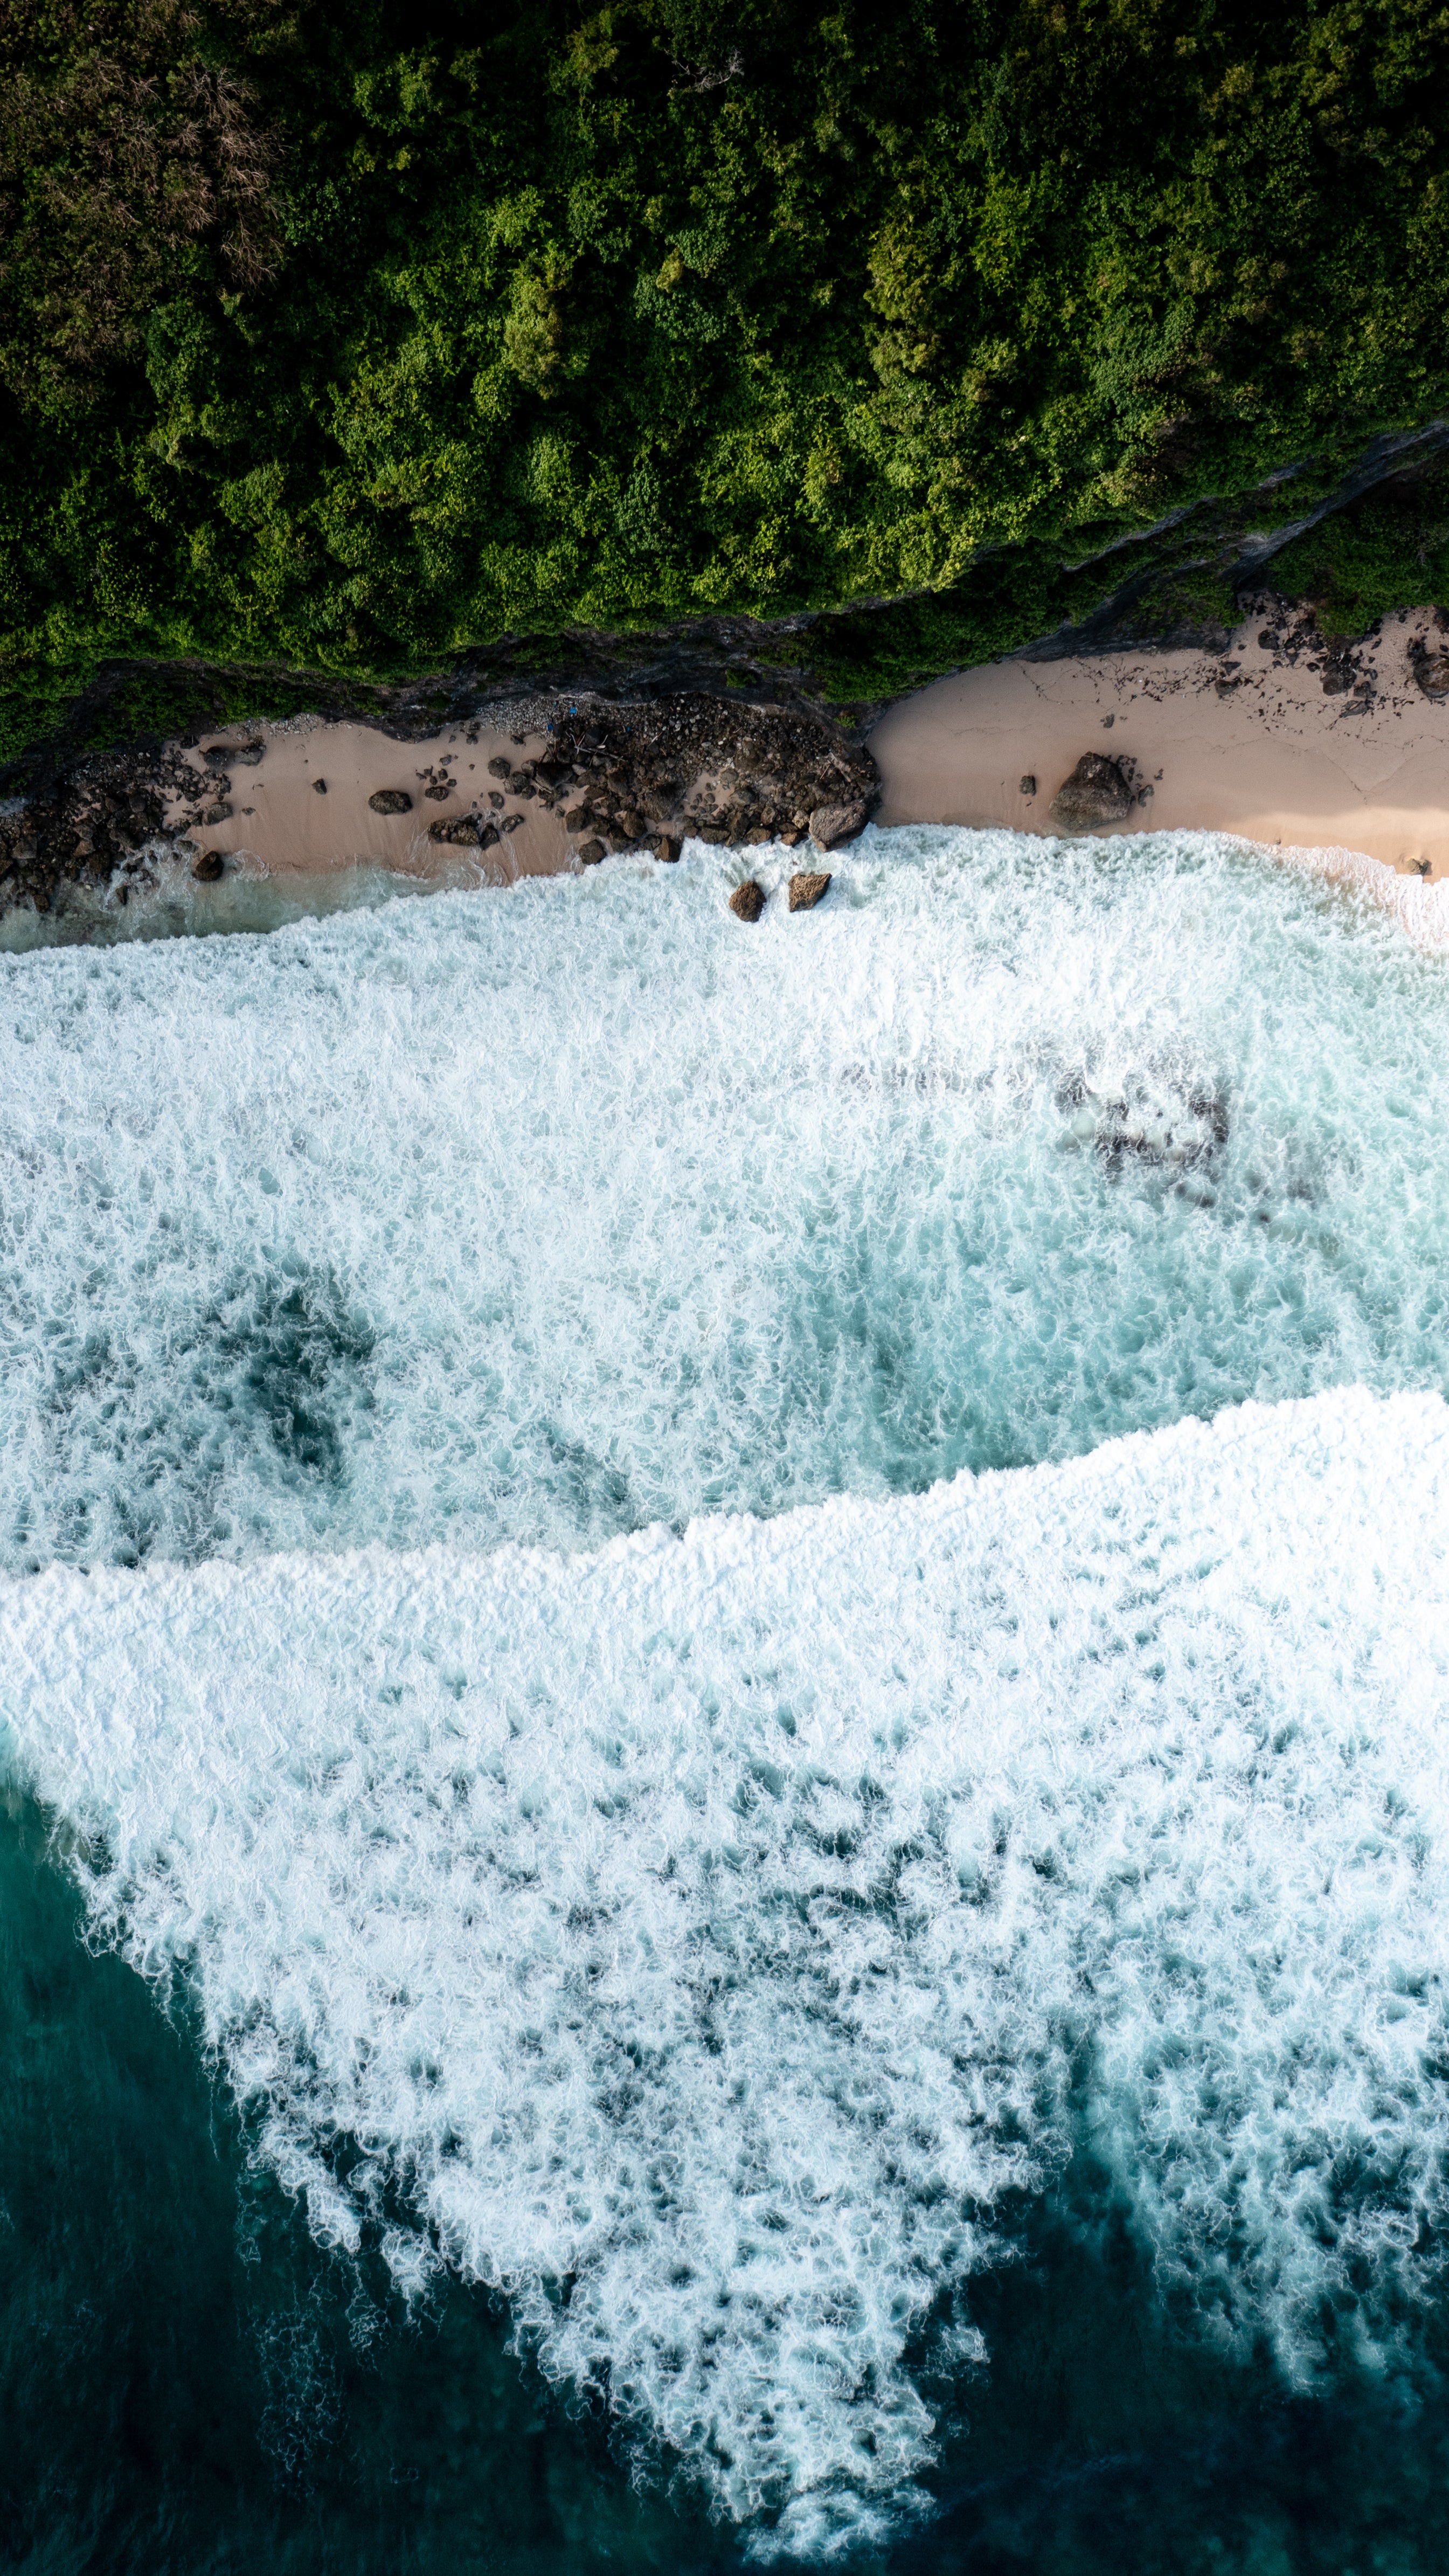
(357, 336)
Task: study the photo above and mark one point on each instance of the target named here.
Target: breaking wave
(548, 1215)
(706, 1929)
(711, 1935)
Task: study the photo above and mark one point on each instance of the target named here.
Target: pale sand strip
(1351, 787)
(1268, 756)
(280, 827)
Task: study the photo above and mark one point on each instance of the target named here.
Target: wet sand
(1247, 742)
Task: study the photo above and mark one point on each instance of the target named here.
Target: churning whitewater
(549, 1215)
(705, 1929)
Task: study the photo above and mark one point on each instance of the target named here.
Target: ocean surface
(724, 1728)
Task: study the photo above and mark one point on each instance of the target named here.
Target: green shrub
(352, 339)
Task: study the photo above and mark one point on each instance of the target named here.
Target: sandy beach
(294, 801)
(1275, 741)
(1251, 742)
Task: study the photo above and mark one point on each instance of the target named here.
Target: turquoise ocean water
(724, 1685)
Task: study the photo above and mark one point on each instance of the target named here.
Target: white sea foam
(548, 1214)
(708, 1932)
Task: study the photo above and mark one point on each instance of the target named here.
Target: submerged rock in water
(748, 900)
(806, 889)
(831, 826)
(391, 800)
(1096, 792)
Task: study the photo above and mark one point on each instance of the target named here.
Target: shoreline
(1281, 741)
(1335, 757)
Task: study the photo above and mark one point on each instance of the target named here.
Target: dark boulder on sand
(1096, 792)
(391, 800)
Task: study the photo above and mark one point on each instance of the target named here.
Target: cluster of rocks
(90, 825)
(1290, 632)
(1429, 660)
(95, 824)
(649, 775)
(806, 888)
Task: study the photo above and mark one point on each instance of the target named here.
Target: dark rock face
(806, 889)
(208, 867)
(391, 800)
(1096, 792)
(667, 848)
(694, 766)
(217, 814)
(249, 755)
(831, 826)
(748, 900)
(591, 853)
(465, 832)
(1431, 670)
(1028, 784)
(319, 786)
